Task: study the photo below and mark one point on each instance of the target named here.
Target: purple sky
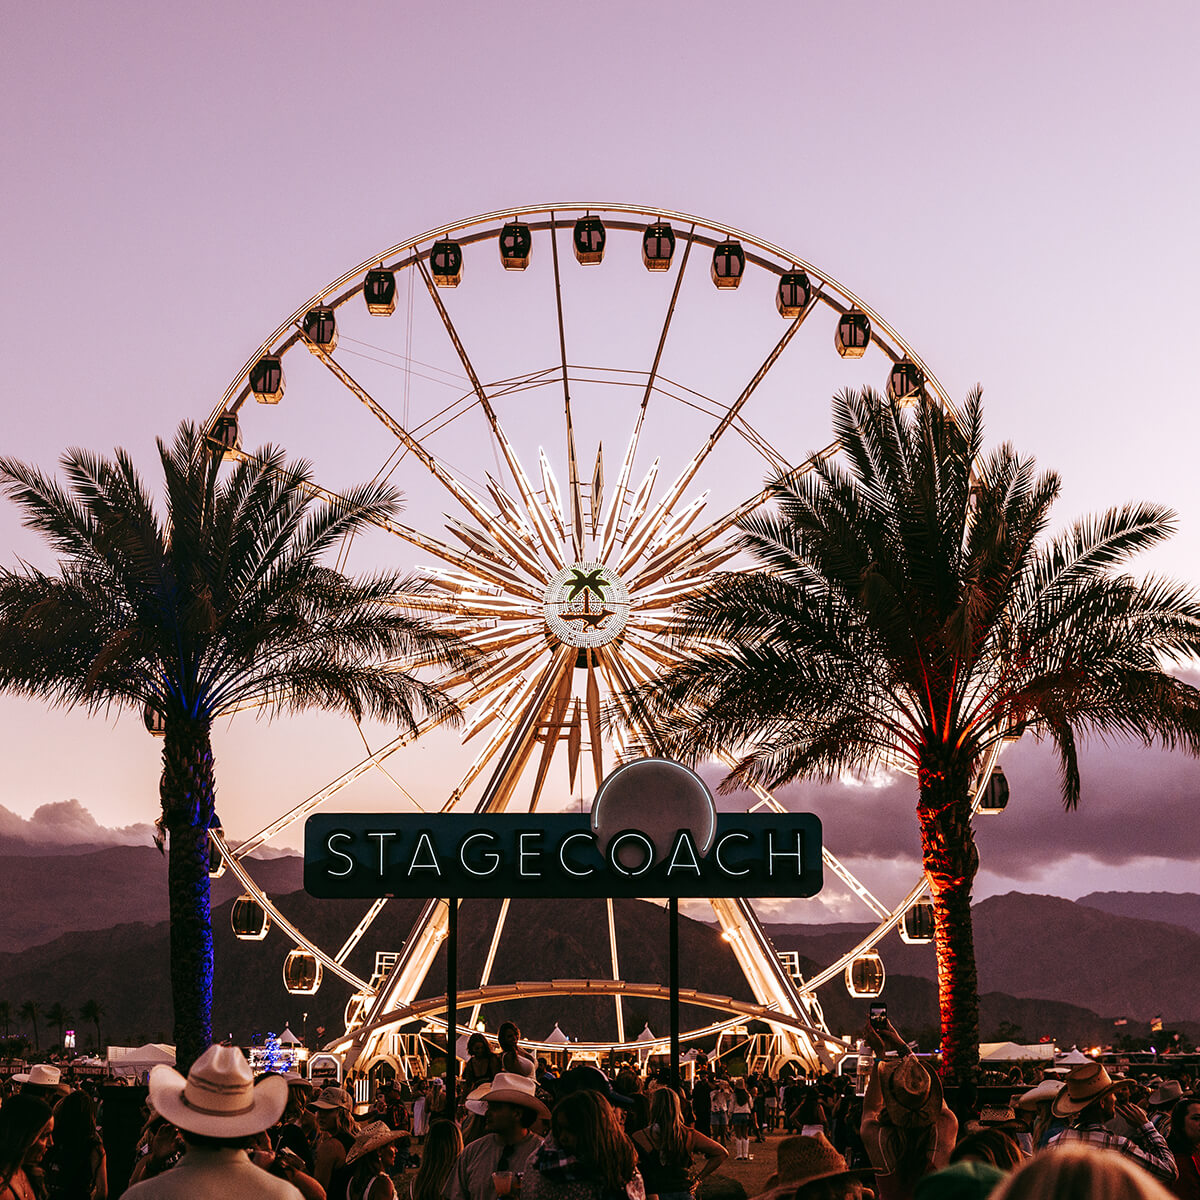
(1013, 188)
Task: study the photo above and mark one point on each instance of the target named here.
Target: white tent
(1073, 1058)
(288, 1038)
(1001, 1052)
(136, 1061)
(556, 1036)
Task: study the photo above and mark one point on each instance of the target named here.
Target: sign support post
(451, 1004)
(673, 977)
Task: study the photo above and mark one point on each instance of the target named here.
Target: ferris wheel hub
(586, 605)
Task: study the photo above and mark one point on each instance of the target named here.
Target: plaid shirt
(1146, 1146)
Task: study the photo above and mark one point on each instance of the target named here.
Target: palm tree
(30, 1012)
(224, 605)
(910, 612)
(93, 1010)
(58, 1016)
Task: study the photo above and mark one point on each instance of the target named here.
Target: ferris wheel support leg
(768, 978)
(430, 928)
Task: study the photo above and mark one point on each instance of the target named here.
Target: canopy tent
(288, 1038)
(556, 1036)
(1073, 1058)
(1001, 1052)
(136, 1061)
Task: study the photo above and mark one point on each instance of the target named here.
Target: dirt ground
(751, 1175)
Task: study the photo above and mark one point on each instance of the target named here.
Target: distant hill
(45, 896)
(1172, 907)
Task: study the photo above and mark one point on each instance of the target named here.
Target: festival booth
(1013, 1052)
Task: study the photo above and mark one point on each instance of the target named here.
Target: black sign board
(368, 855)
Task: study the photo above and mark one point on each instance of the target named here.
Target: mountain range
(89, 923)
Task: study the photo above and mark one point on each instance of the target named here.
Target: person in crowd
(420, 1109)
(740, 1113)
(666, 1148)
(42, 1082)
(482, 1064)
(1033, 1107)
(1075, 1171)
(969, 1179)
(1088, 1102)
(443, 1145)
(1184, 1143)
(76, 1166)
(159, 1148)
(907, 1129)
(338, 1130)
(1161, 1102)
(508, 1145)
(512, 1061)
(702, 1102)
(809, 1168)
(634, 1103)
(995, 1146)
(26, 1134)
(219, 1111)
(372, 1160)
(809, 1115)
(297, 1130)
(284, 1164)
(759, 1086)
(587, 1156)
(720, 1104)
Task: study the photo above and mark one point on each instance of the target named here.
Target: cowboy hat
(912, 1096)
(1167, 1092)
(1043, 1093)
(475, 1103)
(802, 1160)
(333, 1097)
(218, 1098)
(43, 1075)
(1085, 1084)
(370, 1137)
(507, 1088)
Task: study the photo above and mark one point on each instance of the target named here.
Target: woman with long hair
(76, 1168)
(338, 1129)
(586, 1157)
(907, 1129)
(443, 1145)
(26, 1134)
(1184, 1143)
(372, 1160)
(666, 1148)
(1077, 1171)
(739, 1119)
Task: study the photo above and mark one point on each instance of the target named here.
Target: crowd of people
(525, 1132)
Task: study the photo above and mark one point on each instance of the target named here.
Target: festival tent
(288, 1038)
(1073, 1058)
(556, 1037)
(1004, 1052)
(136, 1061)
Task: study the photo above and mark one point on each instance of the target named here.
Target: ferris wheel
(564, 392)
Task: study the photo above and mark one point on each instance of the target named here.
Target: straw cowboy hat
(218, 1098)
(509, 1088)
(370, 1137)
(802, 1160)
(43, 1075)
(1085, 1084)
(912, 1096)
(1043, 1093)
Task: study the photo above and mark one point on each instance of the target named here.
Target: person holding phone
(907, 1129)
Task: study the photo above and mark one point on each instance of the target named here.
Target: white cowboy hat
(218, 1098)
(475, 1102)
(43, 1075)
(370, 1137)
(1045, 1091)
(508, 1088)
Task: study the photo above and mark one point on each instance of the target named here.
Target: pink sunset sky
(1012, 186)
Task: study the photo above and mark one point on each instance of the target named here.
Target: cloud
(68, 823)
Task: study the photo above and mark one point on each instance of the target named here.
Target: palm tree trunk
(951, 861)
(187, 801)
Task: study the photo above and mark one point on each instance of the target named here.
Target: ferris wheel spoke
(669, 558)
(612, 518)
(485, 976)
(552, 729)
(576, 522)
(356, 934)
(529, 499)
(637, 538)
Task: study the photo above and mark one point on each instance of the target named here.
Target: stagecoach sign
(653, 830)
(558, 854)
